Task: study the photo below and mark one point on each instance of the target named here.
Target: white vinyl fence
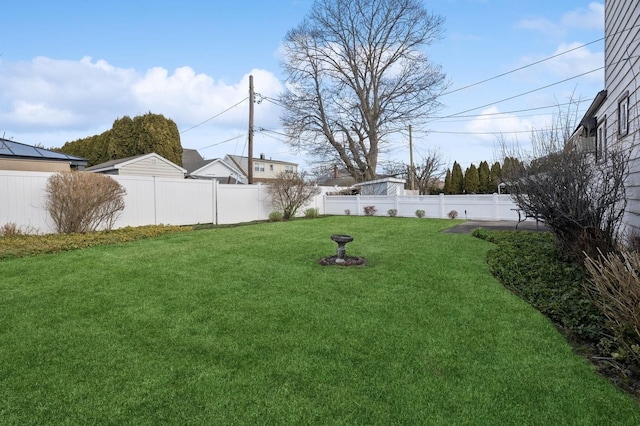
(476, 207)
(154, 200)
(149, 201)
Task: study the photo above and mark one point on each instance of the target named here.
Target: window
(623, 117)
(270, 167)
(601, 140)
(288, 169)
(258, 167)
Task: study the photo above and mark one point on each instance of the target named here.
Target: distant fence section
(476, 207)
(155, 200)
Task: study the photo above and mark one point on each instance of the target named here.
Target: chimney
(335, 171)
(262, 156)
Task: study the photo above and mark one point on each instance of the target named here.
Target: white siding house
(141, 165)
(264, 169)
(219, 170)
(613, 120)
(199, 168)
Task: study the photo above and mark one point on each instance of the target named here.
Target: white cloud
(591, 18)
(490, 123)
(46, 92)
(542, 25)
(63, 97)
(577, 61)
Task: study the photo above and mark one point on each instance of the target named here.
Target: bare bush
(614, 285)
(425, 176)
(580, 199)
(11, 229)
(81, 202)
(370, 210)
(289, 192)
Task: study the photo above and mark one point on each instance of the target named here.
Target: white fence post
(214, 201)
(155, 201)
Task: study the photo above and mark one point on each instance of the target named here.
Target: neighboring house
(141, 165)
(336, 177)
(19, 156)
(264, 169)
(613, 119)
(199, 168)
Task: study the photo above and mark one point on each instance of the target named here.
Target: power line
(217, 115)
(540, 61)
(520, 94)
(224, 141)
(503, 113)
(273, 101)
(480, 133)
(522, 67)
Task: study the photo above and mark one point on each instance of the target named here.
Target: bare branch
(356, 71)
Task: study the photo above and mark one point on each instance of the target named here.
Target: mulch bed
(348, 261)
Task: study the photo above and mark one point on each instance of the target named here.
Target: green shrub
(31, 245)
(392, 212)
(276, 216)
(420, 213)
(311, 213)
(530, 265)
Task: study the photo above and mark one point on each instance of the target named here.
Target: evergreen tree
(155, 133)
(447, 182)
(483, 176)
(130, 137)
(471, 180)
(495, 176)
(122, 139)
(511, 166)
(457, 179)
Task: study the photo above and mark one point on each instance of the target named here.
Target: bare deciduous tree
(581, 199)
(426, 174)
(80, 202)
(357, 72)
(289, 192)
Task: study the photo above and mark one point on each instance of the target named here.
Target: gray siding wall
(151, 166)
(622, 69)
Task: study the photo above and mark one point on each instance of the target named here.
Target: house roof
(192, 160)
(381, 180)
(593, 109)
(12, 149)
(122, 162)
(231, 167)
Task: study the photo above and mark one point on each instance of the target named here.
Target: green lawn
(241, 326)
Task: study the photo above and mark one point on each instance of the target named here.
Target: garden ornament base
(341, 257)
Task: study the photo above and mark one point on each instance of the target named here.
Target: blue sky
(68, 69)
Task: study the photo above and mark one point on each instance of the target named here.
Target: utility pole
(250, 143)
(411, 173)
